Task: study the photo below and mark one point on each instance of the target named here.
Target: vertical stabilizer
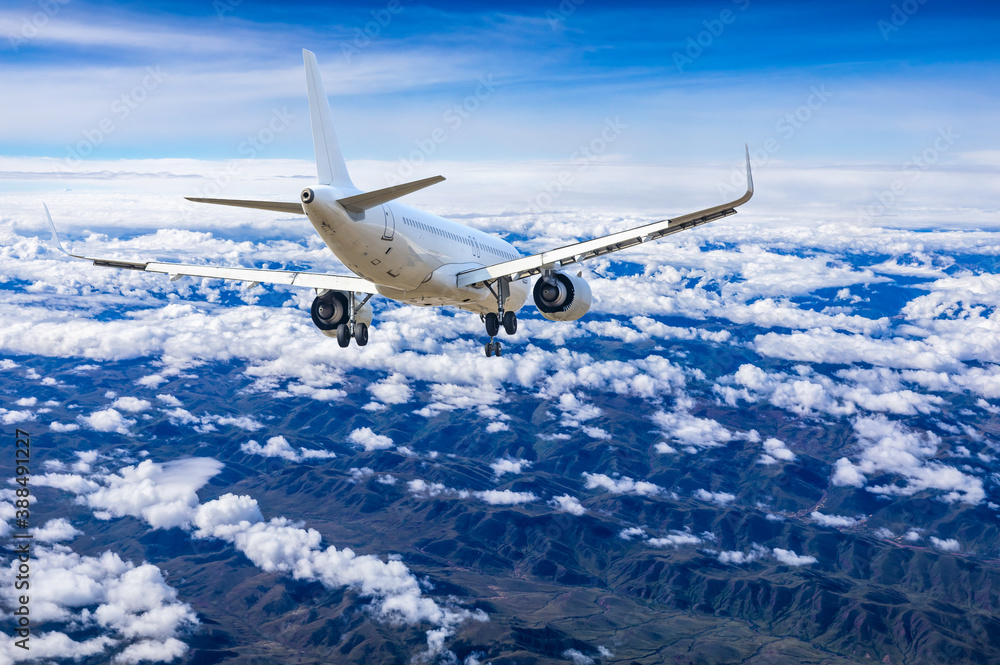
(330, 166)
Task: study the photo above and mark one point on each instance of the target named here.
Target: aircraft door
(390, 224)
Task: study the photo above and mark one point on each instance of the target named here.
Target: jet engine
(329, 310)
(562, 297)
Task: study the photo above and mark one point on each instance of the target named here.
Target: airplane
(413, 256)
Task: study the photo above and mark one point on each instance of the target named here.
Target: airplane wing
(254, 275)
(588, 249)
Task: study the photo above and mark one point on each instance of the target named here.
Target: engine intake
(329, 310)
(562, 297)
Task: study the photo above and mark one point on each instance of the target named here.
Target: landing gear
(492, 324)
(335, 313)
(494, 320)
(509, 323)
(361, 334)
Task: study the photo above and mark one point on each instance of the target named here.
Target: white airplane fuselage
(411, 255)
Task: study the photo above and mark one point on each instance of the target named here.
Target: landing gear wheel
(509, 323)
(361, 334)
(343, 335)
(492, 324)
(489, 349)
(497, 348)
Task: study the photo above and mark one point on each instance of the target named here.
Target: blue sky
(560, 72)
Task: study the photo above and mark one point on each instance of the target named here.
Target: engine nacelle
(329, 310)
(562, 297)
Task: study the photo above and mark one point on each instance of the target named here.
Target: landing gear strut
(351, 328)
(494, 320)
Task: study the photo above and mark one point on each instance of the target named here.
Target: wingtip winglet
(749, 172)
(55, 234)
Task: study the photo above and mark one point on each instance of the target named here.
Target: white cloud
(108, 420)
(169, 400)
(162, 494)
(129, 605)
(15, 417)
(721, 498)
(775, 449)
(508, 465)
(888, 447)
(578, 657)
(56, 530)
(836, 521)
(738, 558)
(493, 428)
(674, 539)
(567, 504)
(949, 545)
(279, 546)
(790, 558)
(130, 404)
(394, 389)
(632, 532)
(278, 446)
(505, 497)
(691, 431)
(621, 485)
(63, 427)
(369, 440)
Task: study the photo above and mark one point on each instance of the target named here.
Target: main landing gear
(494, 320)
(335, 313)
(352, 328)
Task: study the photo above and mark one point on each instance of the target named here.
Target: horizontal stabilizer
(276, 206)
(361, 202)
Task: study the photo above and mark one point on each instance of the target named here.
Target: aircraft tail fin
(330, 165)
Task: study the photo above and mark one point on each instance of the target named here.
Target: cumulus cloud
(807, 392)
(835, 521)
(774, 450)
(131, 606)
(949, 545)
(620, 485)
(888, 447)
(162, 494)
(107, 420)
(690, 431)
(632, 532)
(567, 504)
(738, 558)
(721, 498)
(508, 465)
(56, 530)
(790, 558)
(278, 446)
(369, 440)
(278, 545)
(425, 490)
(505, 497)
(130, 404)
(578, 657)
